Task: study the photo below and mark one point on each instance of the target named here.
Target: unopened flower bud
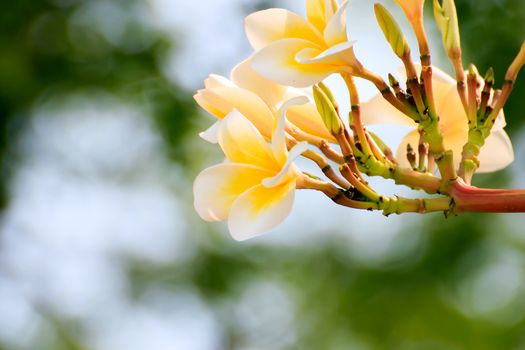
(327, 110)
(472, 71)
(329, 94)
(392, 32)
(413, 9)
(447, 22)
(383, 147)
(516, 65)
(489, 77)
(411, 156)
(393, 81)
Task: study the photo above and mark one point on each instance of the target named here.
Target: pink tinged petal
(279, 147)
(211, 134)
(379, 111)
(454, 141)
(497, 152)
(442, 83)
(277, 62)
(217, 187)
(260, 209)
(335, 31)
(495, 155)
(222, 100)
(245, 77)
(451, 113)
(289, 170)
(265, 27)
(241, 142)
(449, 107)
(215, 80)
(439, 76)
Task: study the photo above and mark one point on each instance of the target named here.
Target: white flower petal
(217, 187)
(307, 118)
(335, 31)
(211, 134)
(453, 141)
(215, 80)
(379, 111)
(339, 55)
(451, 113)
(245, 77)
(241, 142)
(439, 75)
(260, 209)
(220, 101)
(315, 12)
(500, 122)
(277, 62)
(288, 171)
(279, 147)
(497, 152)
(265, 27)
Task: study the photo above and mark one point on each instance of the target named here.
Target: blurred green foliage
(45, 53)
(342, 303)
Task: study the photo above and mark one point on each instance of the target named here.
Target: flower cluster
(275, 108)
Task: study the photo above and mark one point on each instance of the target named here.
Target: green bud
(489, 76)
(392, 32)
(392, 80)
(516, 65)
(329, 94)
(380, 143)
(411, 156)
(327, 110)
(447, 21)
(472, 70)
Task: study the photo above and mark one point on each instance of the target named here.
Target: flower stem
(472, 199)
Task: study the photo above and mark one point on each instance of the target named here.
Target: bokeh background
(101, 249)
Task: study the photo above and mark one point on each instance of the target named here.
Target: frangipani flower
(259, 100)
(495, 155)
(254, 189)
(295, 51)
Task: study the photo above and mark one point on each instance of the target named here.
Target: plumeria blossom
(254, 188)
(495, 155)
(262, 110)
(259, 100)
(295, 51)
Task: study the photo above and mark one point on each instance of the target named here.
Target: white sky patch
(209, 37)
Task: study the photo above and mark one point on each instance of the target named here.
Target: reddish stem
(472, 199)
